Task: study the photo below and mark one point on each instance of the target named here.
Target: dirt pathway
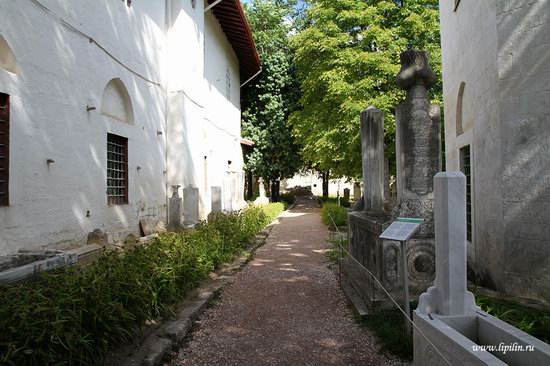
(284, 308)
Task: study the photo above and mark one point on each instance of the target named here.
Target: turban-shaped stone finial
(415, 67)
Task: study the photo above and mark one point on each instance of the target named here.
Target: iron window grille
(4, 148)
(466, 168)
(117, 170)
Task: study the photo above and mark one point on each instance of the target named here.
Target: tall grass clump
(73, 316)
(338, 213)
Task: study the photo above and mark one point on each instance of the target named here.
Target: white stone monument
(449, 328)
(449, 295)
(217, 204)
(262, 199)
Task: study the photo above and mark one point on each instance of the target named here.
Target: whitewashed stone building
(105, 104)
(496, 81)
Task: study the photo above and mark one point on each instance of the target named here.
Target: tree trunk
(275, 185)
(249, 185)
(325, 176)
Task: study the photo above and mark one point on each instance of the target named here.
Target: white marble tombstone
(216, 192)
(190, 205)
(449, 295)
(262, 199)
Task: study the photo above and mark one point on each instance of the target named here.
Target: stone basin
(460, 338)
(24, 264)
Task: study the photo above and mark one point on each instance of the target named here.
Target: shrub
(73, 316)
(332, 214)
(288, 198)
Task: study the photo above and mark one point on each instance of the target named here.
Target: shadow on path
(284, 308)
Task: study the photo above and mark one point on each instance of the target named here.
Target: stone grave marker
(190, 205)
(174, 209)
(216, 192)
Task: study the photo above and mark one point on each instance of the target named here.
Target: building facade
(106, 104)
(496, 83)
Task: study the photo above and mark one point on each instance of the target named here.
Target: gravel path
(284, 308)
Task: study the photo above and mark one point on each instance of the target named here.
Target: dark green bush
(74, 316)
(288, 198)
(338, 213)
(344, 202)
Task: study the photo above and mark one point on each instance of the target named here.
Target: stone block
(175, 204)
(216, 193)
(191, 205)
(147, 225)
(356, 191)
(178, 329)
(372, 150)
(97, 237)
(346, 193)
(158, 349)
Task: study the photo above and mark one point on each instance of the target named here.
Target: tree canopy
(347, 57)
(269, 99)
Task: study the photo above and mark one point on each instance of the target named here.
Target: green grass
(332, 214)
(532, 321)
(335, 253)
(343, 202)
(74, 316)
(389, 329)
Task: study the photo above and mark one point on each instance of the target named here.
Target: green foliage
(335, 253)
(73, 316)
(531, 321)
(288, 198)
(341, 201)
(389, 330)
(268, 100)
(347, 58)
(333, 214)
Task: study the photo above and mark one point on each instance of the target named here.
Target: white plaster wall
(312, 180)
(222, 119)
(204, 119)
(469, 53)
(501, 50)
(524, 97)
(62, 73)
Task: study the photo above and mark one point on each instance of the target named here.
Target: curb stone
(157, 340)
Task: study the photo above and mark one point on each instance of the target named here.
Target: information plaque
(401, 229)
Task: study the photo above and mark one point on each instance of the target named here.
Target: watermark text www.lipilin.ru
(504, 348)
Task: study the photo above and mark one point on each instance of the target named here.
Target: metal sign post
(406, 302)
(401, 230)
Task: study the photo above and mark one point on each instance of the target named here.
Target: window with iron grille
(4, 148)
(117, 170)
(466, 168)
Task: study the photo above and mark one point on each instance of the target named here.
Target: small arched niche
(459, 127)
(116, 102)
(8, 61)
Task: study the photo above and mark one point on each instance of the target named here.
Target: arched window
(116, 102)
(459, 128)
(7, 58)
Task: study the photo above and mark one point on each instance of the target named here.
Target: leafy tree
(269, 99)
(347, 58)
